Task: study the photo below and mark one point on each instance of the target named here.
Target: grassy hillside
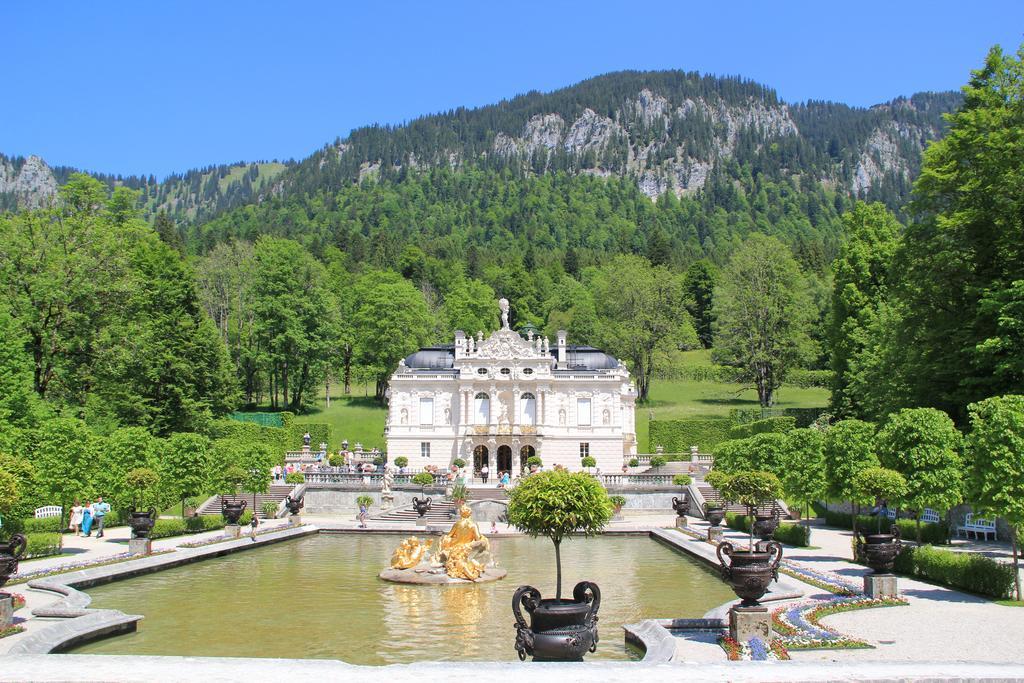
(359, 418)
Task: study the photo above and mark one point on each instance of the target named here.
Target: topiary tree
(364, 500)
(423, 479)
(295, 478)
(682, 480)
(534, 461)
(459, 462)
(125, 450)
(658, 461)
(995, 454)
(378, 460)
(762, 452)
(803, 467)
(401, 461)
(878, 483)
(231, 479)
(588, 462)
(752, 489)
(848, 448)
(617, 502)
(556, 504)
(184, 467)
(923, 445)
(716, 479)
(143, 483)
(335, 460)
(634, 462)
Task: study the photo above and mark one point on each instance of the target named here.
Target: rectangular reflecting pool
(319, 597)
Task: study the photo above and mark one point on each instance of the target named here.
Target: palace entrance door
(504, 459)
(525, 453)
(480, 458)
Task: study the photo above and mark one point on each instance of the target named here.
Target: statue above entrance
(503, 305)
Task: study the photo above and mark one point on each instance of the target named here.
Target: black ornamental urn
(421, 506)
(10, 553)
(232, 511)
(750, 571)
(880, 550)
(141, 522)
(294, 504)
(681, 505)
(765, 525)
(714, 513)
(559, 630)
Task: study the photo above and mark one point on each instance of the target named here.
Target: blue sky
(151, 87)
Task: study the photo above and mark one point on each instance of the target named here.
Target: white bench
(49, 511)
(929, 516)
(977, 526)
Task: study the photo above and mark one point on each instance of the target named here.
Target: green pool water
(320, 597)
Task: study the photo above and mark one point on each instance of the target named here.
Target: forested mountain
(664, 131)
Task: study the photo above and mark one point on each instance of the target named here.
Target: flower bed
(222, 539)
(19, 600)
(756, 650)
(799, 627)
(829, 581)
(11, 630)
(22, 577)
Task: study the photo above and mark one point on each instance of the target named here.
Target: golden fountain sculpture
(461, 554)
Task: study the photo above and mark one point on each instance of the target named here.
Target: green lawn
(359, 418)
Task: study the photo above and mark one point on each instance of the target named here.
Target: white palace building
(503, 399)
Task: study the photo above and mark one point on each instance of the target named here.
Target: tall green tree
(699, 284)
(849, 449)
(803, 470)
(184, 466)
(640, 309)
(861, 276)
(64, 458)
(124, 450)
(924, 445)
(763, 315)
(393, 321)
(470, 306)
(965, 249)
(995, 456)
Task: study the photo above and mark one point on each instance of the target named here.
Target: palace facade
(500, 400)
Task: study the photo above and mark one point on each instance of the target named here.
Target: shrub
(658, 461)
(771, 425)
(617, 501)
(967, 571)
(459, 491)
(588, 461)
(534, 461)
(364, 500)
(796, 535)
(804, 417)
(163, 528)
(43, 544)
(459, 462)
(682, 480)
(198, 523)
(752, 488)
(295, 478)
(401, 461)
(335, 460)
(378, 460)
(37, 526)
(716, 479)
(423, 479)
(142, 482)
(634, 462)
(269, 508)
(676, 436)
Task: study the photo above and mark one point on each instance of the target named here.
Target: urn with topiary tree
(751, 570)
(558, 505)
(681, 503)
(143, 483)
(880, 487)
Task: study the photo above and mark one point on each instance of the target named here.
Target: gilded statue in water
(462, 553)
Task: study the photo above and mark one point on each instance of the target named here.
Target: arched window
(527, 410)
(483, 409)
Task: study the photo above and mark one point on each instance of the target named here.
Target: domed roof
(432, 358)
(589, 358)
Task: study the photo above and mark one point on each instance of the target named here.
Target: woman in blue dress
(86, 518)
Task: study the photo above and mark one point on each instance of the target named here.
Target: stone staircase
(490, 492)
(441, 512)
(275, 494)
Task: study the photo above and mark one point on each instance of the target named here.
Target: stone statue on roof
(503, 305)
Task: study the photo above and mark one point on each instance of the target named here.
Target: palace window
(506, 371)
(481, 371)
(527, 371)
(424, 449)
(482, 411)
(426, 411)
(584, 449)
(583, 411)
(527, 410)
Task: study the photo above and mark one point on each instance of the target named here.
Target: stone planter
(750, 571)
(421, 506)
(765, 526)
(10, 553)
(294, 504)
(681, 505)
(879, 550)
(714, 514)
(559, 630)
(232, 512)
(141, 522)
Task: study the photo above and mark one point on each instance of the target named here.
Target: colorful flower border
(76, 566)
(755, 650)
(11, 630)
(799, 625)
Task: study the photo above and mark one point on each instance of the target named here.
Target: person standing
(87, 519)
(484, 472)
(254, 524)
(76, 518)
(362, 515)
(100, 510)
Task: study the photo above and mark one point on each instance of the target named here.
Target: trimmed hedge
(806, 379)
(796, 535)
(936, 534)
(967, 571)
(678, 435)
(729, 375)
(805, 417)
(42, 526)
(262, 419)
(43, 544)
(165, 528)
(772, 425)
(319, 432)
